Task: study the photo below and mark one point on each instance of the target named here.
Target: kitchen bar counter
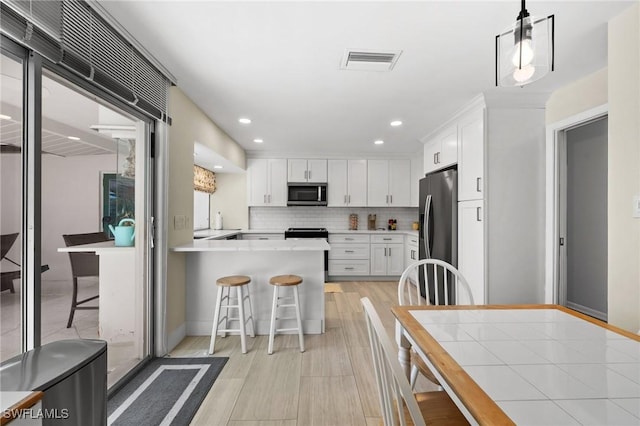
(208, 260)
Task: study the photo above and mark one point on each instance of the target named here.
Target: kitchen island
(208, 260)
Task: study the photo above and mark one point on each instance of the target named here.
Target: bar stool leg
(241, 319)
(299, 318)
(252, 323)
(226, 290)
(272, 328)
(216, 319)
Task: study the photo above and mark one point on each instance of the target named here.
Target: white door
(395, 259)
(417, 173)
(357, 183)
(277, 182)
(378, 259)
(400, 183)
(471, 247)
(297, 170)
(377, 183)
(257, 174)
(337, 183)
(431, 152)
(317, 171)
(471, 157)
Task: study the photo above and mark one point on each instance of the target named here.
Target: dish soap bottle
(218, 221)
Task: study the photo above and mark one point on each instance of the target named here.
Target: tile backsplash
(332, 218)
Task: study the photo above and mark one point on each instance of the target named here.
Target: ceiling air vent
(369, 60)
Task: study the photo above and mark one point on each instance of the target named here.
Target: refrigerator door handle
(425, 227)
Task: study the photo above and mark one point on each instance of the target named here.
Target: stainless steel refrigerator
(438, 219)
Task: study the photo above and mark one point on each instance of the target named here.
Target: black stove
(317, 233)
(306, 233)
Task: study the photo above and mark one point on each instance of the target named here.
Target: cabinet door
(377, 183)
(400, 183)
(471, 157)
(471, 247)
(297, 170)
(395, 259)
(317, 171)
(277, 182)
(257, 173)
(417, 173)
(431, 152)
(337, 183)
(378, 259)
(448, 147)
(357, 183)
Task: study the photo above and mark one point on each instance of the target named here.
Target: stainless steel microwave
(307, 194)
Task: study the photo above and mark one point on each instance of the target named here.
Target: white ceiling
(278, 63)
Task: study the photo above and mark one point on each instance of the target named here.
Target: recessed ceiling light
(258, 140)
(379, 142)
(217, 167)
(244, 120)
(73, 138)
(4, 117)
(396, 123)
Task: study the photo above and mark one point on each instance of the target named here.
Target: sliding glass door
(75, 167)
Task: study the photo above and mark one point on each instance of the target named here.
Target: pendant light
(524, 51)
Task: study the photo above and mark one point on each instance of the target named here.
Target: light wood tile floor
(332, 383)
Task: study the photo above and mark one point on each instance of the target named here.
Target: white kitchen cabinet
(417, 173)
(471, 247)
(410, 250)
(389, 183)
(442, 150)
(471, 156)
(349, 254)
(387, 255)
(303, 170)
(267, 182)
(347, 183)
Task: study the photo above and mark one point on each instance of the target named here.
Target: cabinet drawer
(349, 251)
(348, 267)
(349, 238)
(263, 236)
(411, 240)
(387, 238)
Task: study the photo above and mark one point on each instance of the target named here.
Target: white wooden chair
(398, 403)
(444, 285)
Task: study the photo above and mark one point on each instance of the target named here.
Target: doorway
(583, 218)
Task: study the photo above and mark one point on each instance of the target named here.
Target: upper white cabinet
(471, 156)
(303, 170)
(347, 183)
(267, 182)
(442, 150)
(389, 183)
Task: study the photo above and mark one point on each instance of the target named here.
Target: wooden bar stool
(224, 301)
(285, 281)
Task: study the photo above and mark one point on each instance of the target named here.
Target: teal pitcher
(123, 234)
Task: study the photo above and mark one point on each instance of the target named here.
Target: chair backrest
(444, 284)
(84, 264)
(394, 389)
(6, 241)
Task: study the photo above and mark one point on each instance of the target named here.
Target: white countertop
(253, 245)
(213, 234)
(98, 248)
(380, 231)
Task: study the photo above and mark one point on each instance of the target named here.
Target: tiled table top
(543, 366)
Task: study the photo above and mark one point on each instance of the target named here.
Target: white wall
(230, 199)
(71, 191)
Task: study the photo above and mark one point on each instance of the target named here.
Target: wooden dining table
(526, 364)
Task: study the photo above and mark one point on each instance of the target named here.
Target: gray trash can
(71, 373)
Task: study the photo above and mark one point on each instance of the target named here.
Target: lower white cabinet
(265, 236)
(387, 254)
(349, 254)
(410, 250)
(471, 246)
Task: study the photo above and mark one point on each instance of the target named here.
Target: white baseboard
(588, 311)
(176, 337)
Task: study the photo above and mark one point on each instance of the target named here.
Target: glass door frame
(33, 65)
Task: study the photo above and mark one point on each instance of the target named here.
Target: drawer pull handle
(348, 239)
(348, 268)
(387, 239)
(349, 251)
(263, 238)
